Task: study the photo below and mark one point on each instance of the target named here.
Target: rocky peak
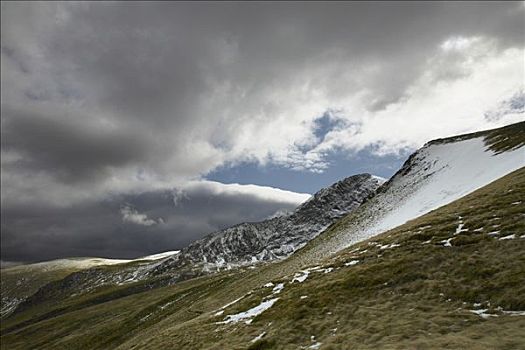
(278, 237)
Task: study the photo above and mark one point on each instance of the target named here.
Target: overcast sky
(123, 123)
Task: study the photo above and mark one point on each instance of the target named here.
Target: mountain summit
(278, 237)
(437, 174)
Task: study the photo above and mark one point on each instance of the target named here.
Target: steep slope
(279, 237)
(437, 174)
(452, 278)
(455, 273)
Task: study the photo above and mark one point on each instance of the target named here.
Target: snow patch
(300, 277)
(259, 337)
(460, 228)
(303, 275)
(446, 242)
(9, 306)
(483, 313)
(247, 316)
(221, 310)
(389, 246)
(278, 288)
(379, 179)
(514, 313)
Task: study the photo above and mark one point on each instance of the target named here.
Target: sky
(133, 128)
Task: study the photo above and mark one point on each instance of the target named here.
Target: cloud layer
(105, 100)
(130, 225)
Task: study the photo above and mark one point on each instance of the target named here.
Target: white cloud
(481, 78)
(458, 43)
(460, 80)
(131, 215)
(439, 108)
(264, 193)
(178, 101)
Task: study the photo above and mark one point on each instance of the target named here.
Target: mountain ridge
(279, 237)
(308, 220)
(387, 292)
(455, 201)
(438, 173)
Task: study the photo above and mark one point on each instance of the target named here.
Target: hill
(433, 260)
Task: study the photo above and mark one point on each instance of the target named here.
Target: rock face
(243, 244)
(278, 237)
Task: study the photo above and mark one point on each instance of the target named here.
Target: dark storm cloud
(73, 150)
(157, 67)
(103, 100)
(32, 233)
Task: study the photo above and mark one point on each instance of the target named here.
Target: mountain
(435, 282)
(440, 172)
(242, 244)
(433, 259)
(279, 237)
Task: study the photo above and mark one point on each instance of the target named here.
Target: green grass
(22, 281)
(415, 296)
(498, 140)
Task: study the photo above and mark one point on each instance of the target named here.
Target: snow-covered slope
(443, 173)
(440, 172)
(278, 237)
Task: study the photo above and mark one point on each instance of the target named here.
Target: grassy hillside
(20, 282)
(421, 285)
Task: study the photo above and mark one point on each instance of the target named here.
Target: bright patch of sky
(330, 167)
(341, 165)
(333, 166)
